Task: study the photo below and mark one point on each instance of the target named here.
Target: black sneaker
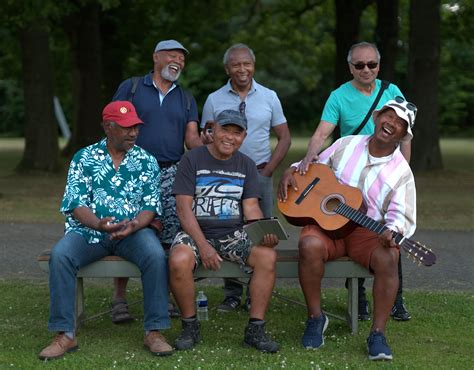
(229, 304)
(256, 337)
(364, 314)
(190, 335)
(399, 311)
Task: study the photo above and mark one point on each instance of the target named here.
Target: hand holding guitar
(287, 179)
(387, 240)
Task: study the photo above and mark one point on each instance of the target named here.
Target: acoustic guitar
(336, 208)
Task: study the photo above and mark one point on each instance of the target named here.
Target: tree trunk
(348, 14)
(423, 71)
(84, 35)
(386, 37)
(41, 131)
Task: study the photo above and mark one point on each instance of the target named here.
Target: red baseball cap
(123, 113)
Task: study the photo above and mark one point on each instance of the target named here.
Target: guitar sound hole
(330, 203)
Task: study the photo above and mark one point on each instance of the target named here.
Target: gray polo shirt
(262, 109)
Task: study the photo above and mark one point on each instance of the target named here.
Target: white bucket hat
(404, 109)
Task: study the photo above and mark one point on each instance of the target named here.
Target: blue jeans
(73, 252)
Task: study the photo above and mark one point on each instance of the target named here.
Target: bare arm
(405, 148)
(184, 208)
(284, 141)
(322, 132)
(191, 136)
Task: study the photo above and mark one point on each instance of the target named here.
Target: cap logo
(123, 110)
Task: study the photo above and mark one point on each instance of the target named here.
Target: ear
(227, 70)
(156, 57)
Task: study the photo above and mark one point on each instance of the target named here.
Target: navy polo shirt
(165, 124)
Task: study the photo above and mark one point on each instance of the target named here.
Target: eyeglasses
(361, 66)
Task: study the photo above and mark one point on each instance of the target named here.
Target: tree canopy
(300, 47)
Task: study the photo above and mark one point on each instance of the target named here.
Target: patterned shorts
(170, 220)
(234, 247)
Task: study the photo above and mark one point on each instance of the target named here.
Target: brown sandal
(120, 312)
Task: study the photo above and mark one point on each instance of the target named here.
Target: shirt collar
(253, 87)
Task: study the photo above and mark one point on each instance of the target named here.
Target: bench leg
(352, 304)
(79, 301)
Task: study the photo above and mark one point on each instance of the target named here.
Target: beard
(167, 75)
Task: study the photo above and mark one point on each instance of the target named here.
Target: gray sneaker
(190, 335)
(256, 337)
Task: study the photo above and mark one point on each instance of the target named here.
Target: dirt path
(21, 243)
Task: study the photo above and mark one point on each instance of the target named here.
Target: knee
(310, 248)
(265, 257)
(60, 256)
(385, 260)
(181, 259)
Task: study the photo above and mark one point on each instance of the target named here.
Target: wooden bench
(287, 267)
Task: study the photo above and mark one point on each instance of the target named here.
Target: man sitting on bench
(111, 196)
(376, 165)
(215, 187)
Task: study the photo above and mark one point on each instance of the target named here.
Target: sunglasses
(242, 108)
(410, 106)
(361, 66)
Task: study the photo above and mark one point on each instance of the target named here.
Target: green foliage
(293, 41)
(456, 75)
(429, 340)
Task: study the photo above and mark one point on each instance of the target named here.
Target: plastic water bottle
(202, 307)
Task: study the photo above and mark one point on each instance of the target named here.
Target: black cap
(231, 117)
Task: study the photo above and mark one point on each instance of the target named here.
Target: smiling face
(389, 128)
(227, 140)
(120, 139)
(169, 63)
(240, 68)
(364, 55)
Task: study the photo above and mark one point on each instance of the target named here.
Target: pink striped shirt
(387, 183)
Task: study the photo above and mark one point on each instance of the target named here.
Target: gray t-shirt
(218, 188)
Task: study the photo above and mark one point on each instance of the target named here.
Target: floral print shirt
(93, 182)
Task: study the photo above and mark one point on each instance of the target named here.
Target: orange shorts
(358, 245)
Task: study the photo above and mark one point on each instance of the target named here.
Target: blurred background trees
(80, 50)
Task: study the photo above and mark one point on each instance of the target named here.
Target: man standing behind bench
(216, 186)
(112, 194)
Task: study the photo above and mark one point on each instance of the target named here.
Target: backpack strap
(188, 97)
(135, 81)
(383, 86)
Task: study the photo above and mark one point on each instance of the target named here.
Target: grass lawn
(436, 338)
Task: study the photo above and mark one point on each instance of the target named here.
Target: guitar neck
(365, 221)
